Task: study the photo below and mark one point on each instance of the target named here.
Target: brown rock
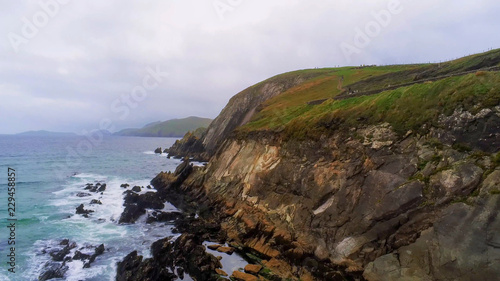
(279, 267)
(230, 212)
(253, 268)
(241, 276)
(226, 250)
(214, 247)
(262, 247)
(282, 236)
(250, 222)
(220, 272)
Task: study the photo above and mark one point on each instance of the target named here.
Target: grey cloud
(94, 52)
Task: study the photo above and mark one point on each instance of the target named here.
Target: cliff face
(392, 208)
(239, 111)
(360, 199)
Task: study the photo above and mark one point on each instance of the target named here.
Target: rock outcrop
(377, 205)
(237, 112)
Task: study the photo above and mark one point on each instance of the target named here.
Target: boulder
(136, 188)
(136, 205)
(158, 150)
(102, 188)
(95, 202)
(83, 194)
(81, 211)
(226, 250)
(214, 247)
(253, 268)
(163, 216)
(241, 276)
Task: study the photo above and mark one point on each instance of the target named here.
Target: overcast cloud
(76, 69)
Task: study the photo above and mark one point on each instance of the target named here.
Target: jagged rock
(158, 150)
(59, 255)
(163, 217)
(81, 211)
(133, 268)
(80, 256)
(97, 252)
(95, 202)
(136, 188)
(125, 185)
(53, 270)
(102, 188)
(186, 252)
(136, 205)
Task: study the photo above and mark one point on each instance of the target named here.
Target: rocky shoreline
(356, 201)
(206, 219)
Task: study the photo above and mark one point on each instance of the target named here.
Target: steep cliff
(401, 185)
(239, 111)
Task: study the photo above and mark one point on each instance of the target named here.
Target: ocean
(49, 174)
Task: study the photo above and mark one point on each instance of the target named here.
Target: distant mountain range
(43, 133)
(170, 128)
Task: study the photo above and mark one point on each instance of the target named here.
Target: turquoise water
(50, 171)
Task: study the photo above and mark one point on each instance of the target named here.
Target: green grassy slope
(405, 108)
(170, 128)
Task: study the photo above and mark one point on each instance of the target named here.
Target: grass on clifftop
(406, 108)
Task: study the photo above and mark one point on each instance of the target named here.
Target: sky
(77, 66)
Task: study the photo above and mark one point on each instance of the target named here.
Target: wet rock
(158, 150)
(80, 256)
(97, 252)
(59, 255)
(95, 202)
(136, 188)
(81, 211)
(136, 205)
(53, 270)
(102, 188)
(125, 185)
(83, 194)
(134, 268)
(186, 253)
(98, 187)
(163, 217)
